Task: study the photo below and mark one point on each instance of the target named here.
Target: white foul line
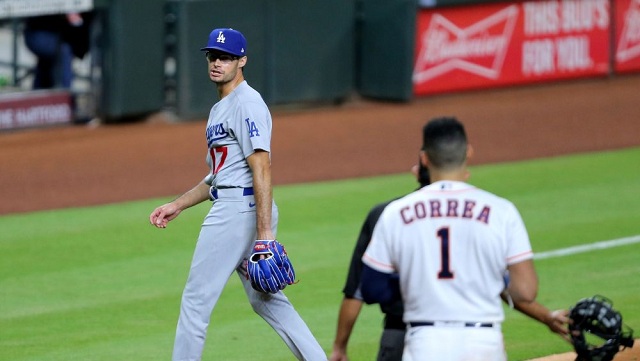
(587, 247)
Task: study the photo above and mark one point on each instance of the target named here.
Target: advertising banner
(490, 45)
(627, 36)
(24, 8)
(35, 109)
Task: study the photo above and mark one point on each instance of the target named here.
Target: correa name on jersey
(216, 132)
(434, 208)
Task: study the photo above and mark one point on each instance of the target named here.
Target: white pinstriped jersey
(450, 243)
(238, 124)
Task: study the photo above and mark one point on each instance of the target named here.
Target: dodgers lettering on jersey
(450, 244)
(238, 125)
(215, 132)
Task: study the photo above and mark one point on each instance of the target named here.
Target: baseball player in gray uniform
(238, 137)
(444, 249)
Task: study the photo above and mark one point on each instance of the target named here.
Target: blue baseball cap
(227, 40)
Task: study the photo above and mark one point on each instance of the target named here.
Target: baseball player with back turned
(392, 338)
(238, 137)
(444, 249)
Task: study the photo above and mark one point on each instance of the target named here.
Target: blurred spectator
(55, 40)
(427, 3)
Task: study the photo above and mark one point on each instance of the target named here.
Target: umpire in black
(392, 339)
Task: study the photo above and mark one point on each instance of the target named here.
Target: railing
(10, 9)
(12, 13)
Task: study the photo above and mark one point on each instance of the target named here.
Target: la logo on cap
(221, 37)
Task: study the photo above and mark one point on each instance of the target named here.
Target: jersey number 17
(218, 156)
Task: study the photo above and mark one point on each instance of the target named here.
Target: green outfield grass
(99, 283)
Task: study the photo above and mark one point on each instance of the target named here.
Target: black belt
(394, 323)
(214, 192)
(444, 323)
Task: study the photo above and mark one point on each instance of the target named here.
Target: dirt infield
(624, 355)
(89, 165)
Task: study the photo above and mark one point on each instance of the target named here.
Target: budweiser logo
(478, 49)
(629, 46)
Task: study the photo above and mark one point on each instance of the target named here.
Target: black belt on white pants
(451, 324)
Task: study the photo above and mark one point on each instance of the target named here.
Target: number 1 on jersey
(445, 271)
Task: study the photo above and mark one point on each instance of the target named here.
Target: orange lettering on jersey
(484, 215)
(468, 209)
(404, 215)
(420, 210)
(435, 208)
(411, 214)
(452, 208)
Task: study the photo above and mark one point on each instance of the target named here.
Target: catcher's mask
(596, 316)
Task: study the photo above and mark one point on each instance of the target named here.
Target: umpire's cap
(227, 40)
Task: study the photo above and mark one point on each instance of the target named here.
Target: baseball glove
(269, 268)
(596, 331)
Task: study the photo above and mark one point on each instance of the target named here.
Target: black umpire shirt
(393, 311)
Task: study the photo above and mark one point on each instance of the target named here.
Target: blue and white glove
(269, 268)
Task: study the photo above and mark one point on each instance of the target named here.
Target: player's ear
(242, 62)
(424, 159)
(469, 151)
(415, 170)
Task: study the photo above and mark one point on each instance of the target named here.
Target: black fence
(148, 59)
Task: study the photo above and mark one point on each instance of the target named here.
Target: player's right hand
(557, 322)
(162, 215)
(338, 355)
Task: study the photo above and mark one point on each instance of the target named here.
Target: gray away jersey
(238, 124)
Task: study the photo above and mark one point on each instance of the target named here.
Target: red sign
(35, 108)
(627, 35)
(489, 45)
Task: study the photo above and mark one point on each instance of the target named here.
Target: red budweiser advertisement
(489, 45)
(627, 35)
(35, 109)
